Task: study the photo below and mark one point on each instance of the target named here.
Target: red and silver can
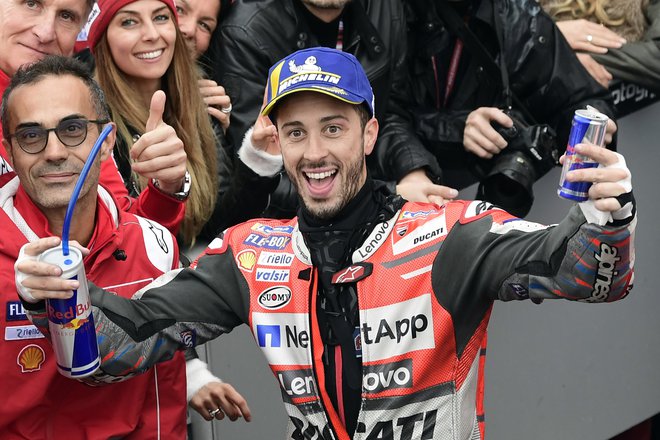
(70, 321)
(589, 127)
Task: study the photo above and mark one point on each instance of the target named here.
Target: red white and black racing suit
(423, 280)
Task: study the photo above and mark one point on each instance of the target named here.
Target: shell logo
(246, 259)
(30, 358)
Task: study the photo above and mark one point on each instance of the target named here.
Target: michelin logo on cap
(309, 66)
(309, 72)
(319, 69)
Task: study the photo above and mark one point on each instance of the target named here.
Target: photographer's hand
(417, 187)
(479, 136)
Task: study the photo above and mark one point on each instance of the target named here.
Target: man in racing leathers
(370, 310)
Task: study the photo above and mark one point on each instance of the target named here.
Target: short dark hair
(54, 65)
(364, 114)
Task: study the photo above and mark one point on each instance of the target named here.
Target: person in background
(464, 111)
(139, 52)
(31, 30)
(363, 285)
(254, 35)
(47, 147)
(613, 39)
(164, 137)
(198, 20)
(138, 47)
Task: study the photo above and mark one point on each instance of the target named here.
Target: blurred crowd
(465, 91)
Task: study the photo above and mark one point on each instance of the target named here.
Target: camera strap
(456, 25)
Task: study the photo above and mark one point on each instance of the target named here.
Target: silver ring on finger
(590, 38)
(214, 412)
(226, 110)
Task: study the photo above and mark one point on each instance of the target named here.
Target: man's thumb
(156, 110)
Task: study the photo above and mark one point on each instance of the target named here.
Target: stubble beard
(58, 196)
(349, 187)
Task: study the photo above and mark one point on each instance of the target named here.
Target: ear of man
(108, 143)
(10, 152)
(370, 135)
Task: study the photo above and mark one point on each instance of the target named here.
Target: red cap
(108, 9)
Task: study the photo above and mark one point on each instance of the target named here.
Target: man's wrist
(182, 193)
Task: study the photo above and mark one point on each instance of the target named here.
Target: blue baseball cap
(319, 69)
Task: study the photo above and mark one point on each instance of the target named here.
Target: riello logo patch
(275, 297)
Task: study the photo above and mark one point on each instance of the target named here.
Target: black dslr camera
(507, 179)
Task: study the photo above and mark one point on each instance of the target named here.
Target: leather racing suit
(425, 280)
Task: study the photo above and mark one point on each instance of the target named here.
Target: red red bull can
(589, 127)
(70, 321)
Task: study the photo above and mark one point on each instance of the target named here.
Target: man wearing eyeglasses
(31, 30)
(52, 113)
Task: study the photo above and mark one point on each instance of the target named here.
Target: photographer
(461, 104)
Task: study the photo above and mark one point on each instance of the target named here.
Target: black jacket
(544, 74)
(242, 195)
(639, 61)
(258, 33)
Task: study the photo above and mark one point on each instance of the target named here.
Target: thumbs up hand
(159, 153)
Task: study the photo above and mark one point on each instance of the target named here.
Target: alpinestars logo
(4, 167)
(607, 259)
(352, 273)
(160, 236)
(188, 337)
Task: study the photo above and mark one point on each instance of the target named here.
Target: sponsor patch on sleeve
(22, 332)
(273, 242)
(275, 297)
(30, 358)
(15, 311)
(246, 259)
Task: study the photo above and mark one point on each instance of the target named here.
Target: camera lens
(509, 184)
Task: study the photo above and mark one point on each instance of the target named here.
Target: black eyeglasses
(71, 132)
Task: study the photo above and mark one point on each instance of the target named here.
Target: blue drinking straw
(79, 183)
